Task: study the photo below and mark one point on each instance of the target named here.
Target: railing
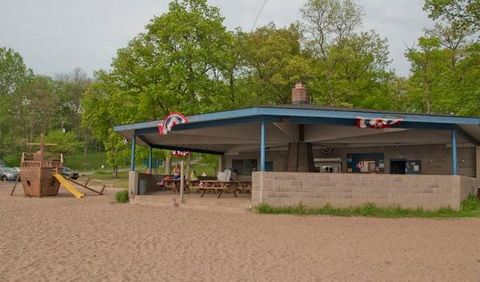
(45, 164)
(32, 160)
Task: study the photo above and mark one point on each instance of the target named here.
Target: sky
(56, 36)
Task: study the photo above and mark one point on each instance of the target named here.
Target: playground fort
(41, 176)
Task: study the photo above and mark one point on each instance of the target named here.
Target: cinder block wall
(345, 190)
(436, 159)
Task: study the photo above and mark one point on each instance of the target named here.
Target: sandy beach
(94, 239)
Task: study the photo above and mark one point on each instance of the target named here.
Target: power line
(258, 15)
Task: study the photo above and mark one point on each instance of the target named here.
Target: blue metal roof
(305, 114)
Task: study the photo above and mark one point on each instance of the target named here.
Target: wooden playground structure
(41, 176)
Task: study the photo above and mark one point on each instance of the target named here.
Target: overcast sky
(56, 36)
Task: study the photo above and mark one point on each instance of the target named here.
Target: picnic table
(203, 186)
(244, 186)
(217, 186)
(174, 184)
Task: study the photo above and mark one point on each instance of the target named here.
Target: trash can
(142, 187)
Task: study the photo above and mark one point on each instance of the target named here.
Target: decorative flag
(377, 123)
(170, 121)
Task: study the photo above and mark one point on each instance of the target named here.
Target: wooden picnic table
(244, 186)
(217, 186)
(176, 184)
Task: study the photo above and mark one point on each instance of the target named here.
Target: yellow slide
(67, 185)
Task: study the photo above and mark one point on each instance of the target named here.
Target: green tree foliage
(39, 105)
(445, 64)
(178, 64)
(67, 143)
(459, 13)
(425, 84)
(104, 107)
(271, 61)
(32, 105)
(72, 86)
(467, 86)
(328, 22)
(14, 74)
(351, 67)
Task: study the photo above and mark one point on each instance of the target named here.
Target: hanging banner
(377, 123)
(177, 153)
(170, 121)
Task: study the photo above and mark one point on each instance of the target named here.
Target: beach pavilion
(301, 153)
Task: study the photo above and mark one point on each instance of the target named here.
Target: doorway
(397, 166)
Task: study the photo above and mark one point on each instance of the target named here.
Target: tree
(427, 63)
(351, 67)
(104, 108)
(38, 107)
(445, 65)
(14, 74)
(71, 88)
(175, 65)
(458, 13)
(67, 143)
(271, 61)
(328, 22)
(467, 89)
(178, 64)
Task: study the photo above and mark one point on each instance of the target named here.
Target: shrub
(122, 196)
(470, 204)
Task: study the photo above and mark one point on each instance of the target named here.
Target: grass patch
(107, 178)
(121, 196)
(470, 207)
(93, 161)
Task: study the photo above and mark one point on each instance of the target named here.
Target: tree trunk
(115, 171)
(85, 149)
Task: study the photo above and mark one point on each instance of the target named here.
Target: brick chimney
(299, 94)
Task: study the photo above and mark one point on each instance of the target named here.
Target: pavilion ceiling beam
(417, 138)
(181, 148)
(223, 133)
(467, 136)
(289, 130)
(254, 147)
(361, 145)
(343, 132)
(145, 140)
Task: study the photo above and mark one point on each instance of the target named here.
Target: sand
(94, 239)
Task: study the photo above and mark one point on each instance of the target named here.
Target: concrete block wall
(436, 159)
(346, 190)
